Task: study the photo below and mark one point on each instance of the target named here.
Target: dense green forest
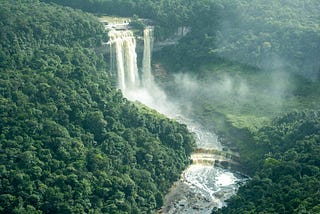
(69, 141)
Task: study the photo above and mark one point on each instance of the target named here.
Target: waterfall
(123, 57)
(123, 61)
(147, 77)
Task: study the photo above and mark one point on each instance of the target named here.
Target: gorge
(202, 185)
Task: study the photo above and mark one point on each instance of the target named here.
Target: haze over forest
(72, 141)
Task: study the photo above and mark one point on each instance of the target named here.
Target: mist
(266, 92)
(153, 97)
(215, 87)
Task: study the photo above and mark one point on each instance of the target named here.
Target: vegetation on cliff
(287, 168)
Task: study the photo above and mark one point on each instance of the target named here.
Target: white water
(123, 45)
(202, 186)
(147, 78)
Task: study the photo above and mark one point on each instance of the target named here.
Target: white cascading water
(147, 78)
(202, 186)
(123, 45)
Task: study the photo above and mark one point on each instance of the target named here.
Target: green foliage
(166, 15)
(69, 141)
(287, 177)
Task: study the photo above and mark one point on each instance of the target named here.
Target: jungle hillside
(70, 142)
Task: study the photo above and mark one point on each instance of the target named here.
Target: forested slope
(286, 159)
(69, 142)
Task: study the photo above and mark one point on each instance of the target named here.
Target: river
(202, 186)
